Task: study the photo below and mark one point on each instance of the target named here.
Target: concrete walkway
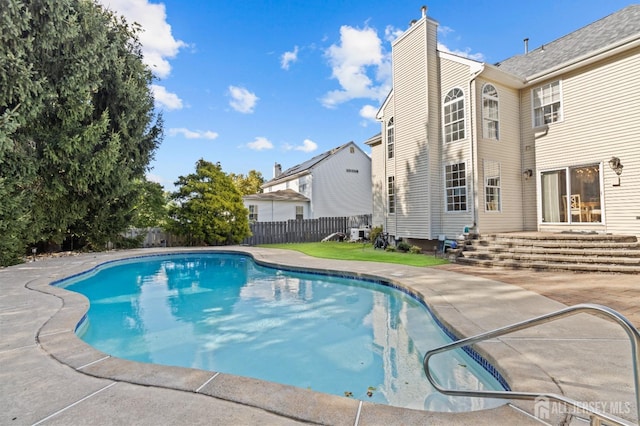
(49, 376)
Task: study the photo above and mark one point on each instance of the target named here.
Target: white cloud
(307, 146)
(242, 100)
(444, 30)
(163, 98)
(369, 112)
(154, 178)
(358, 55)
(466, 53)
(158, 43)
(391, 33)
(289, 57)
(193, 134)
(260, 144)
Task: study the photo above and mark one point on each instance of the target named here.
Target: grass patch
(359, 251)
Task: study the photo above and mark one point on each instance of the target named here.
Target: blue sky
(250, 83)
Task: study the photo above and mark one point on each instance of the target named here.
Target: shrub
(403, 247)
(373, 234)
(415, 250)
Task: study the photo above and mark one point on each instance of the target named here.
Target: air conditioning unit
(359, 234)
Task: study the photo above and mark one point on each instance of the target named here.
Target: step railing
(596, 417)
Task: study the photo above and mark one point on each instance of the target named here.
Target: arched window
(490, 123)
(454, 115)
(390, 137)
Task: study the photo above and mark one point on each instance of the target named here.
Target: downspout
(474, 147)
(523, 182)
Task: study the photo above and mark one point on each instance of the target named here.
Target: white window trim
(533, 108)
(464, 112)
(391, 128)
(486, 184)
(466, 188)
(395, 199)
(497, 99)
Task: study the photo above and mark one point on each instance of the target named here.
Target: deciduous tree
(250, 184)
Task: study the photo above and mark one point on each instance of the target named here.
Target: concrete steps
(554, 252)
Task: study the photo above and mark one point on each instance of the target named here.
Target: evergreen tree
(77, 126)
(208, 208)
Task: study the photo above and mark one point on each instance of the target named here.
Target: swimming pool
(223, 312)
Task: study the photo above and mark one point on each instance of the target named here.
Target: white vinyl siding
(512, 159)
(410, 167)
(600, 120)
(342, 185)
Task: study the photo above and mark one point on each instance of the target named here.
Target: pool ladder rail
(596, 417)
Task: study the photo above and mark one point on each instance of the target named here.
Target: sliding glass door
(572, 195)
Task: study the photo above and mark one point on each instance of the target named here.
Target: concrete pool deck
(49, 376)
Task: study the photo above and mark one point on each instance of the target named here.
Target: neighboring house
(529, 144)
(336, 183)
(277, 206)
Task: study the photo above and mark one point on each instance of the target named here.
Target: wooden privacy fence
(303, 231)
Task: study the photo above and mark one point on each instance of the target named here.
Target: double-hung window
(253, 213)
(299, 212)
(391, 194)
(490, 127)
(492, 186)
(390, 137)
(547, 104)
(456, 187)
(454, 115)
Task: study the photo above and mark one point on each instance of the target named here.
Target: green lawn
(359, 251)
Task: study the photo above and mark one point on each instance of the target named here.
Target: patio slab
(48, 375)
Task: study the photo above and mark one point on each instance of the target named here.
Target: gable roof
(282, 195)
(374, 140)
(616, 29)
(307, 165)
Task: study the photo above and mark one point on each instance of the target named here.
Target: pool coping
(57, 337)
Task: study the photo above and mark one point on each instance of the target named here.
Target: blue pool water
(223, 312)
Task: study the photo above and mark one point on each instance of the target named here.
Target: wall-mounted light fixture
(527, 174)
(616, 166)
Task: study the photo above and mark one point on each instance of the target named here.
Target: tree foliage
(208, 208)
(77, 125)
(151, 207)
(250, 184)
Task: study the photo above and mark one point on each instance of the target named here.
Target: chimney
(526, 46)
(277, 170)
(424, 11)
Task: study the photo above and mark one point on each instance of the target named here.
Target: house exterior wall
(506, 151)
(410, 166)
(342, 184)
(276, 211)
(378, 178)
(601, 119)
(455, 74)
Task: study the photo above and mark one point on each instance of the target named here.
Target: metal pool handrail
(596, 416)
